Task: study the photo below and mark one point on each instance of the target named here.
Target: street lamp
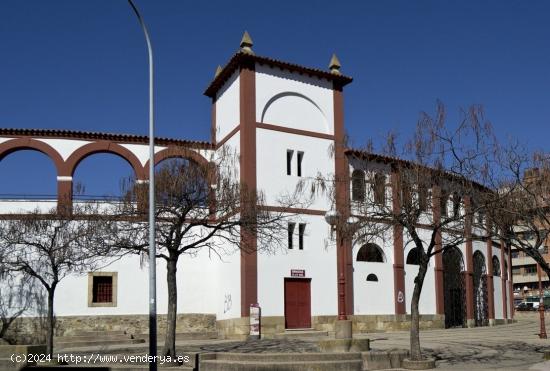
(542, 333)
(152, 250)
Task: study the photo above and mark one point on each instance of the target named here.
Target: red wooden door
(297, 303)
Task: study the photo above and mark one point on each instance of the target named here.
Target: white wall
(427, 296)
(24, 206)
(271, 171)
(196, 293)
(318, 261)
(288, 99)
(228, 106)
(374, 297)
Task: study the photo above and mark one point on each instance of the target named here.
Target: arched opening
(370, 253)
(413, 257)
(481, 309)
(358, 185)
(496, 266)
(453, 288)
(372, 278)
(28, 175)
(102, 176)
(182, 183)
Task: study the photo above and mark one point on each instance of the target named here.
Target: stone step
(184, 335)
(97, 342)
(118, 359)
(296, 334)
(225, 365)
(7, 364)
(76, 338)
(97, 332)
(282, 357)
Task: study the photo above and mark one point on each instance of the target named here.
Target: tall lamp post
(542, 333)
(152, 249)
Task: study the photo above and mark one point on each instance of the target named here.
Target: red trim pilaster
(213, 129)
(469, 262)
(510, 282)
(65, 195)
(398, 248)
(503, 276)
(490, 284)
(343, 253)
(439, 292)
(249, 257)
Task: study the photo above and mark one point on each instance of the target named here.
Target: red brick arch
(179, 152)
(20, 144)
(103, 147)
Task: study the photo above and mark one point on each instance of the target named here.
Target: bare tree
(48, 247)
(522, 213)
(199, 208)
(435, 181)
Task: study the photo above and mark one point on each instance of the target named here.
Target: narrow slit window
(301, 232)
(300, 158)
(291, 227)
(289, 154)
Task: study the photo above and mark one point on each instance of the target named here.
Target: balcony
(526, 278)
(523, 260)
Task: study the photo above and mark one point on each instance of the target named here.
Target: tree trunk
(170, 340)
(50, 322)
(416, 353)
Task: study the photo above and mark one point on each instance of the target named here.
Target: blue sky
(82, 66)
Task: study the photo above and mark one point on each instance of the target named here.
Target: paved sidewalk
(505, 347)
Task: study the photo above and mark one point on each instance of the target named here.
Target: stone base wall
(389, 322)
(238, 328)
(31, 330)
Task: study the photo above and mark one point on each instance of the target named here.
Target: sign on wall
(297, 273)
(255, 315)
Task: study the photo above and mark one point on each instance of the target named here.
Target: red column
(510, 282)
(342, 199)
(398, 248)
(249, 257)
(469, 264)
(64, 194)
(490, 284)
(439, 292)
(503, 276)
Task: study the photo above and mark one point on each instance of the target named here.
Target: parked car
(524, 306)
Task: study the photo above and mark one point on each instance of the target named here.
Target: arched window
(370, 253)
(496, 266)
(372, 278)
(414, 256)
(358, 185)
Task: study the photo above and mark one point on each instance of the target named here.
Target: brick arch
(103, 147)
(180, 152)
(21, 144)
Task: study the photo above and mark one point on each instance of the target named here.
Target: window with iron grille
(102, 289)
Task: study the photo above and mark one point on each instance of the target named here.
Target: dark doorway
(453, 288)
(481, 309)
(297, 303)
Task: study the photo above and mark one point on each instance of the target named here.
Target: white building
(282, 119)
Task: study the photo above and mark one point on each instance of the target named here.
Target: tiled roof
(241, 58)
(90, 135)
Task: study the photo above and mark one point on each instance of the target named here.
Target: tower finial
(246, 43)
(334, 65)
(218, 71)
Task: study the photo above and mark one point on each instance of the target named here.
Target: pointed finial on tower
(218, 71)
(246, 43)
(334, 65)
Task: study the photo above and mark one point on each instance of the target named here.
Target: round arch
(181, 152)
(103, 147)
(21, 144)
(372, 253)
